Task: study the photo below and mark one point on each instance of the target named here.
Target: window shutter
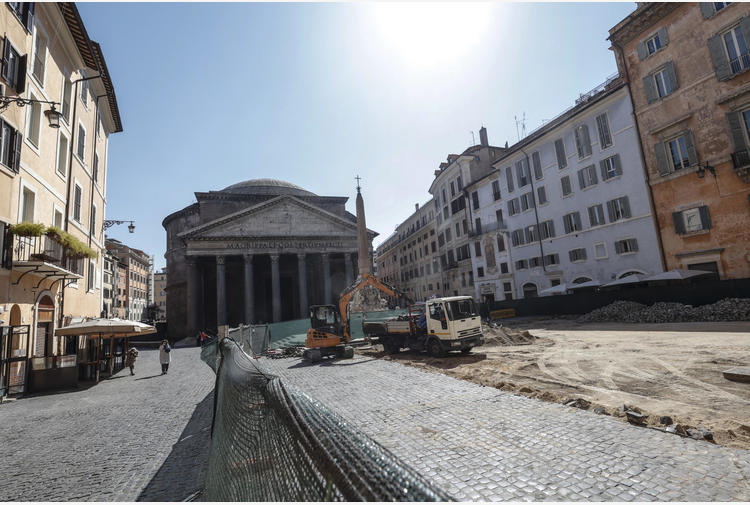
(17, 137)
(689, 142)
(707, 9)
(705, 218)
(661, 158)
(642, 51)
(586, 140)
(510, 207)
(603, 169)
(592, 216)
(679, 223)
(6, 59)
(611, 210)
(537, 165)
(745, 27)
(719, 57)
(671, 75)
(509, 177)
(519, 173)
(650, 86)
(735, 129)
(625, 202)
(633, 244)
(566, 223)
(581, 182)
(592, 174)
(551, 228)
(21, 81)
(29, 15)
(617, 164)
(577, 219)
(618, 246)
(663, 36)
(562, 162)
(542, 193)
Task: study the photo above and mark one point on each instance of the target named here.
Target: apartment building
(109, 284)
(160, 293)
(453, 222)
(137, 272)
(57, 111)
(687, 66)
(568, 204)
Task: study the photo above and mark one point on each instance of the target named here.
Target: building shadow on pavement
(183, 474)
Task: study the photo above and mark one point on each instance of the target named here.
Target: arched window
(581, 280)
(529, 290)
(630, 272)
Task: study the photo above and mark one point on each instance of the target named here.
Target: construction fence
(272, 442)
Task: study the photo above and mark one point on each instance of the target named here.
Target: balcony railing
(740, 63)
(489, 227)
(741, 159)
(46, 250)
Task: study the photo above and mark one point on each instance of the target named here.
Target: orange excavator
(330, 331)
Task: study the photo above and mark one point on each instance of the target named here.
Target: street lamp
(111, 222)
(703, 168)
(53, 115)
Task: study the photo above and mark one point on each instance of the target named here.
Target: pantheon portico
(262, 250)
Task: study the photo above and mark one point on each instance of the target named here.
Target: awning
(678, 274)
(629, 279)
(101, 327)
(560, 289)
(587, 284)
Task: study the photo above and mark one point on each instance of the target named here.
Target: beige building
(50, 176)
(137, 274)
(160, 293)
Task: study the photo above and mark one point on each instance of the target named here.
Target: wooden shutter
(618, 246)
(611, 210)
(705, 217)
(625, 203)
(581, 181)
(690, 143)
(662, 162)
(671, 75)
(21, 81)
(592, 216)
(642, 50)
(537, 165)
(509, 177)
(586, 138)
(603, 169)
(6, 59)
(663, 36)
(591, 169)
(679, 223)
(566, 223)
(6, 246)
(617, 164)
(577, 219)
(707, 9)
(735, 129)
(633, 244)
(17, 137)
(29, 15)
(562, 162)
(719, 57)
(650, 86)
(745, 27)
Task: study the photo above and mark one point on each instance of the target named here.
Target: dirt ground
(672, 369)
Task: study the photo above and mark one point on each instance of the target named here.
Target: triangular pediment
(285, 216)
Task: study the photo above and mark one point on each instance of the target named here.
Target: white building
(567, 204)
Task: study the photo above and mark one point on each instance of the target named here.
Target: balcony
(42, 256)
(740, 63)
(489, 227)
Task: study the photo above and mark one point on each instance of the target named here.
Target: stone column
(302, 273)
(348, 268)
(275, 288)
(221, 291)
(326, 278)
(249, 301)
(193, 294)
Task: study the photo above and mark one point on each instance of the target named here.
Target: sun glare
(428, 34)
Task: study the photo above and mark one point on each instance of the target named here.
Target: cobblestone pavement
(479, 443)
(124, 439)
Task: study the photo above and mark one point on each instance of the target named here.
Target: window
(619, 208)
(691, 220)
(477, 249)
(499, 215)
(532, 234)
(602, 125)
(537, 163)
(93, 220)
(572, 222)
(441, 240)
(653, 44)
(660, 83)
(517, 238)
(627, 246)
(34, 121)
(503, 268)
(566, 187)
(583, 141)
(535, 262)
(24, 11)
(496, 190)
(81, 149)
(478, 225)
(27, 206)
(500, 244)
(77, 199)
(547, 229)
(527, 200)
(458, 205)
(459, 183)
(475, 200)
(739, 126)
(720, 5)
(57, 219)
(522, 170)
(85, 93)
(10, 146)
(67, 90)
(14, 67)
(453, 189)
(600, 250)
(736, 47)
(95, 173)
(480, 272)
(458, 230)
(62, 154)
(522, 265)
(596, 215)
(610, 167)
(663, 84)
(466, 230)
(92, 274)
(562, 160)
(552, 259)
(514, 207)
(577, 254)
(509, 178)
(40, 56)
(541, 194)
(587, 177)
(678, 153)
(448, 236)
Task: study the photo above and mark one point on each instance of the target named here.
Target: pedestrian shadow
(182, 476)
(148, 377)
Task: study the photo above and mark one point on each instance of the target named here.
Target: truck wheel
(391, 346)
(466, 350)
(434, 348)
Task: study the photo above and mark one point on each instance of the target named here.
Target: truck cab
(453, 324)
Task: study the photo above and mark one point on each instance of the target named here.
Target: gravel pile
(728, 309)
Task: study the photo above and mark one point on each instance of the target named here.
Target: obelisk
(364, 253)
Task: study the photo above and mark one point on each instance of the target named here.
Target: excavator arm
(346, 296)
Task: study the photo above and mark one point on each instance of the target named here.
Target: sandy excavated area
(672, 369)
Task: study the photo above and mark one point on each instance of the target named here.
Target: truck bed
(375, 328)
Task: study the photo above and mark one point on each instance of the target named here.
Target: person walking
(164, 356)
(130, 359)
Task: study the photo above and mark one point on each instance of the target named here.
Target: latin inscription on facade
(294, 244)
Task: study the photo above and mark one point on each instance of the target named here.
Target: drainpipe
(536, 211)
(654, 214)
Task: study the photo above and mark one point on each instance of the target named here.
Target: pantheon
(258, 251)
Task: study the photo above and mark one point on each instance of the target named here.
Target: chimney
(483, 136)
(416, 207)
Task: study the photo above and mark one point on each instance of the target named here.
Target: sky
(211, 94)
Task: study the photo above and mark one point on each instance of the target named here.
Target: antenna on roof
(522, 122)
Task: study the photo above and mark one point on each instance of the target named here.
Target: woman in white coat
(164, 356)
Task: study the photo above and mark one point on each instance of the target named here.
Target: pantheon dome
(260, 250)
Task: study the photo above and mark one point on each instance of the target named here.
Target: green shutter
(719, 58)
(642, 51)
(663, 36)
(735, 129)
(650, 86)
(662, 162)
(707, 9)
(671, 75)
(690, 143)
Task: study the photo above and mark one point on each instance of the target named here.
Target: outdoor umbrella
(678, 274)
(629, 279)
(113, 327)
(560, 289)
(587, 284)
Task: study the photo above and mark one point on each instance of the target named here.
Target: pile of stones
(292, 351)
(728, 309)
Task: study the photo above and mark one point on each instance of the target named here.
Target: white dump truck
(437, 326)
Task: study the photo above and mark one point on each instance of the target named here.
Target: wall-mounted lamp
(703, 168)
(53, 115)
(111, 222)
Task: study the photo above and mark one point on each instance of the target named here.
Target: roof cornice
(78, 31)
(108, 87)
(646, 15)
